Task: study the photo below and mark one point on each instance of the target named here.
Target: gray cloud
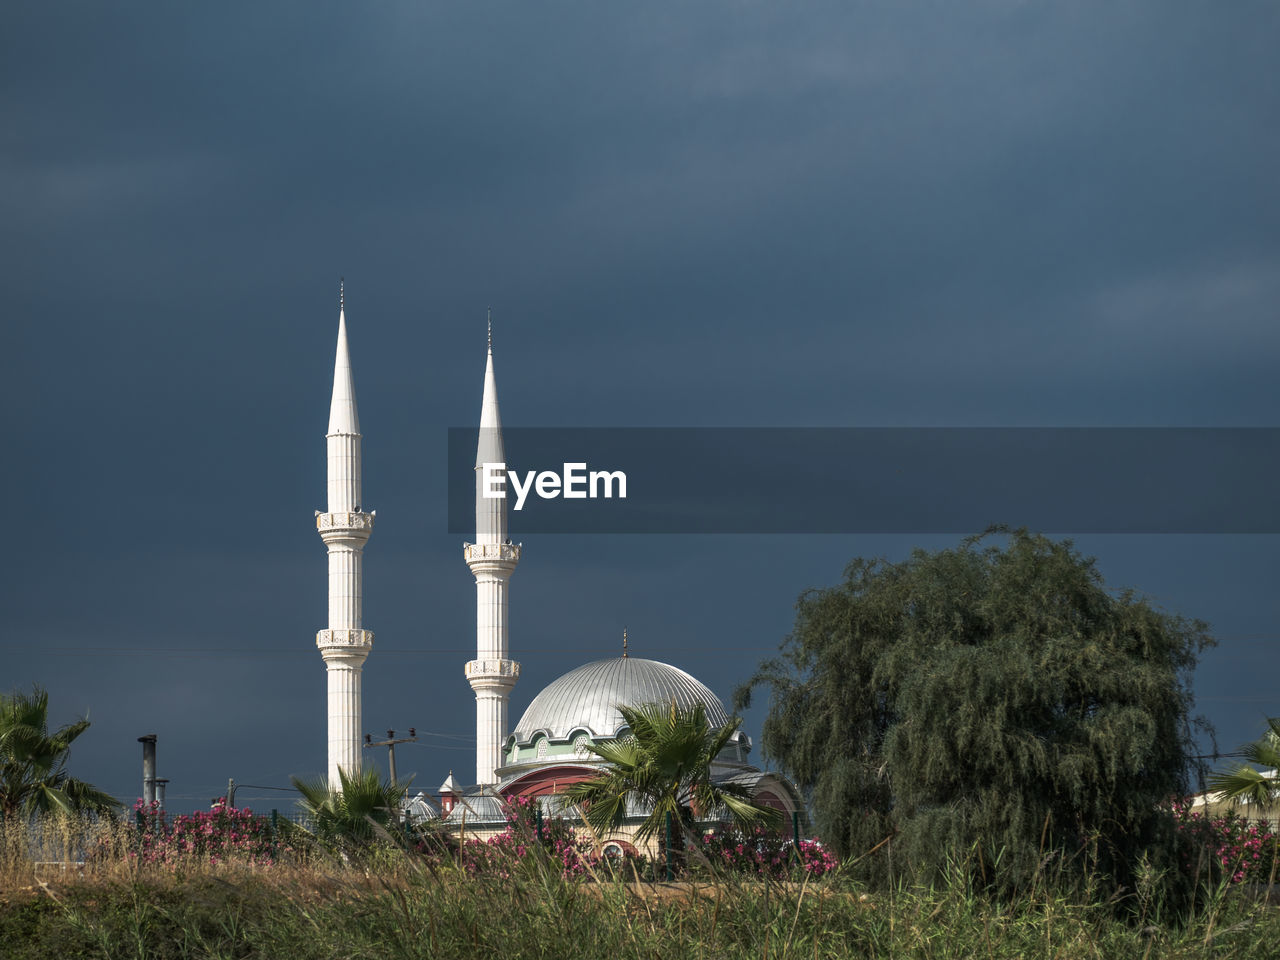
(729, 213)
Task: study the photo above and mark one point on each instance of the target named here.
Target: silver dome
(587, 698)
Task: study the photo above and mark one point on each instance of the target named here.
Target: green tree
(33, 774)
(664, 767)
(1260, 787)
(361, 809)
(992, 704)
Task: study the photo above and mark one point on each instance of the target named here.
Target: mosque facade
(546, 751)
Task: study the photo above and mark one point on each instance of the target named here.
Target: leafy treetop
(995, 699)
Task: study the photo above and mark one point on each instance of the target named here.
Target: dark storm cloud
(728, 213)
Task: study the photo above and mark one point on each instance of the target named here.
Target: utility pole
(390, 744)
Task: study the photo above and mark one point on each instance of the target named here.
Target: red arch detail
(547, 781)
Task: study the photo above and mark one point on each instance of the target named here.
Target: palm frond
(361, 805)
(663, 766)
(1247, 784)
(86, 797)
(33, 762)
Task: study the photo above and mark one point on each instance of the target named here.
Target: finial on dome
(342, 282)
(624, 643)
(490, 319)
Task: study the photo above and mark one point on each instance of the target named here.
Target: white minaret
(344, 530)
(492, 558)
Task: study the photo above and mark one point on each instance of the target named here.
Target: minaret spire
(344, 528)
(491, 512)
(492, 559)
(343, 418)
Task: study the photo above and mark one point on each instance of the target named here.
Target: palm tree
(1247, 784)
(1258, 787)
(358, 811)
(664, 765)
(33, 775)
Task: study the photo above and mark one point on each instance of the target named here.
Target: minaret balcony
(489, 552)
(501, 670)
(352, 522)
(344, 642)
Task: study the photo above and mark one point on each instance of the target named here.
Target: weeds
(424, 901)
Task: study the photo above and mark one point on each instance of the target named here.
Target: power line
(445, 746)
(258, 786)
(252, 652)
(421, 652)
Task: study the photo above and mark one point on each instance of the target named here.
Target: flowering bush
(760, 853)
(528, 834)
(1243, 849)
(219, 834)
(766, 853)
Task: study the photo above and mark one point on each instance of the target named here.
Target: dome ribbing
(588, 697)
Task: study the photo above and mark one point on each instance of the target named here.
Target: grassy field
(399, 905)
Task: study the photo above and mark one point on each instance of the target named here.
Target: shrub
(768, 854)
(219, 834)
(550, 841)
(1237, 850)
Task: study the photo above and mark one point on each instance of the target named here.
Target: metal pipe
(148, 768)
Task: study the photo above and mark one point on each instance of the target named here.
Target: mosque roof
(479, 808)
(587, 698)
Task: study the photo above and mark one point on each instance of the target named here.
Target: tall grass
(401, 903)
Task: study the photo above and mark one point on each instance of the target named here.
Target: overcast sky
(991, 213)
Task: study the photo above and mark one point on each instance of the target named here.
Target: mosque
(547, 749)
